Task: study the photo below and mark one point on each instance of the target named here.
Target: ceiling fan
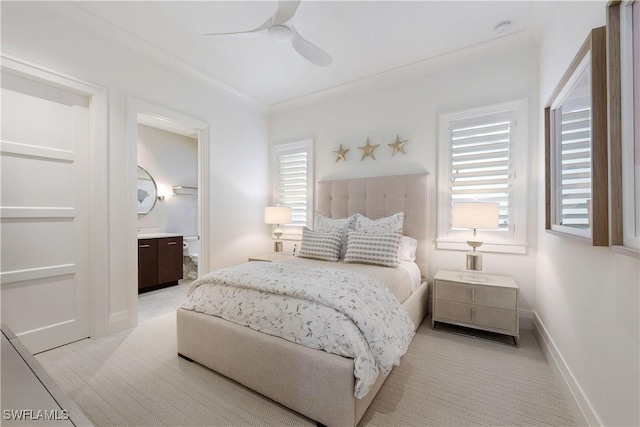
(279, 28)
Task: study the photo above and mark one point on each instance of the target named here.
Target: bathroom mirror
(147, 192)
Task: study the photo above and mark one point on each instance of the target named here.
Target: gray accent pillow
(378, 249)
(316, 245)
(325, 224)
(383, 225)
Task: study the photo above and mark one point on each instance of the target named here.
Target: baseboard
(118, 321)
(526, 319)
(578, 403)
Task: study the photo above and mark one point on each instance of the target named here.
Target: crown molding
(411, 71)
(114, 33)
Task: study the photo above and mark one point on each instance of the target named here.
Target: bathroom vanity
(159, 260)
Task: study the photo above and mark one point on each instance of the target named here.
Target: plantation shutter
(574, 153)
(480, 160)
(292, 181)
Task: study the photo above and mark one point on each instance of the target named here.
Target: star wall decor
(398, 146)
(367, 150)
(341, 154)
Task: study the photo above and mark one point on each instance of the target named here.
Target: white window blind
(292, 180)
(482, 156)
(574, 176)
(480, 161)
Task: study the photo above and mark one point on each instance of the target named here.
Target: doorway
(170, 150)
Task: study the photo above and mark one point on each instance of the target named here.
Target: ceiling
(365, 38)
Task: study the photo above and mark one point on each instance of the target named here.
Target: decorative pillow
(382, 225)
(324, 246)
(324, 224)
(378, 249)
(407, 251)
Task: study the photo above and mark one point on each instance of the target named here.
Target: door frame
(135, 107)
(98, 214)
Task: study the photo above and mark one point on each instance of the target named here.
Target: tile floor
(162, 301)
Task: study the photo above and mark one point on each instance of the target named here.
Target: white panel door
(44, 209)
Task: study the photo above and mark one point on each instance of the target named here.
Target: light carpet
(135, 378)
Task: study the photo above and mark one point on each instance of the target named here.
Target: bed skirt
(312, 382)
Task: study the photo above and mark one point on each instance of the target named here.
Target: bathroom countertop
(157, 235)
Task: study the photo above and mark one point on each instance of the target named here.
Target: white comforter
(341, 312)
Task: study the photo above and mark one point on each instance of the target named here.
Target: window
(576, 168)
(483, 158)
(293, 180)
(624, 117)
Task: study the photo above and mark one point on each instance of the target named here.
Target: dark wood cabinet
(159, 262)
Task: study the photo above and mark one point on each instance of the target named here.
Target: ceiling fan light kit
(277, 29)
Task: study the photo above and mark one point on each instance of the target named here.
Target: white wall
(411, 109)
(238, 135)
(587, 298)
(171, 160)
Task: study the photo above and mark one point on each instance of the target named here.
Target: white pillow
(324, 246)
(378, 249)
(325, 224)
(407, 250)
(382, 225)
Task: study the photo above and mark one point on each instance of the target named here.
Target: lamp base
(473, 268)
(474, 276)
(277, 246)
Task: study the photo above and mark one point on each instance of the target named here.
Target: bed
(315, 383)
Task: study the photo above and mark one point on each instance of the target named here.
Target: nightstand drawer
(487, 296)
(474, 315)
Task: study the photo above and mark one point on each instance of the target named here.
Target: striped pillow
(377, 249)
(324, 246)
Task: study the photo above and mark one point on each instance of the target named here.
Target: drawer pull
(143, 246)
(172, 243)
(472, 310)
(473, 295)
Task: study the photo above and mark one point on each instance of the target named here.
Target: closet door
(44, 212)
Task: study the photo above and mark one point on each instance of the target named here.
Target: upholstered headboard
(379, 197)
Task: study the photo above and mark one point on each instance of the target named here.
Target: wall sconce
(475, 215)
(163, 191)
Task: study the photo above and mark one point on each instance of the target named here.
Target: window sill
(625, 250)
(570, 236)
(497, 247)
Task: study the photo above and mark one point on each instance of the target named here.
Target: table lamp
(277, 215)
(474, 215)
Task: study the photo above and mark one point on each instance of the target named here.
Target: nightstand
(490, 305)
(268, 257)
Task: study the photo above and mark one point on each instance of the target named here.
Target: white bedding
(402, 281)
(341, 312)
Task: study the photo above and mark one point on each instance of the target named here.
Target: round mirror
(147, 192)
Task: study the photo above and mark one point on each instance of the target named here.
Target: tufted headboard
(379, 197)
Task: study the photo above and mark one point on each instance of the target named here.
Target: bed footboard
(314, 383)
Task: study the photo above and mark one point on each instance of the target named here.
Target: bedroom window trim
(302, 148)
(512, 237)
(623, 26)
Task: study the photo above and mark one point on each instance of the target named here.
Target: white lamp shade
(277, 215)
(475, 215)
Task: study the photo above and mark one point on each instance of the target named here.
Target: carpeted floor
(135, 378)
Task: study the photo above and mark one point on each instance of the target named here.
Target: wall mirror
(576, 169)
(147, 192)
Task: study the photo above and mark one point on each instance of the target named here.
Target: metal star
(398, 146)
(367, 150)
(341, 153)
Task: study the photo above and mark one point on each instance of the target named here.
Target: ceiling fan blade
(308, 50)
(286, 10)
(265, 25)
